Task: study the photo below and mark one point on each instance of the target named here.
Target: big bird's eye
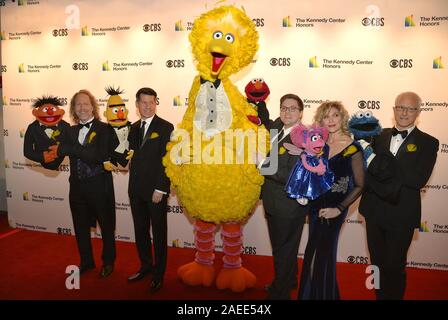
(217, 35)
(314, 138)
(230, 38)
(368, 114)
(115, 110)
(359, 114)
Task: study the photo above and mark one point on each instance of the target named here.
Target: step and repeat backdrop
(362, 53)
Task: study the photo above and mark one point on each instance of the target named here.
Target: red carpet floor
(32, 266)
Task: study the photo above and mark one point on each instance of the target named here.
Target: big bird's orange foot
(195, 274)
(236, 280)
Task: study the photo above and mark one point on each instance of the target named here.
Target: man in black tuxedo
(285, 216)
(149, 187)
(391, 203)
(91, 187)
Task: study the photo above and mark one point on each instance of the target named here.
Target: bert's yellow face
(116, 116)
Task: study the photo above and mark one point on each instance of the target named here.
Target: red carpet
(32, 266)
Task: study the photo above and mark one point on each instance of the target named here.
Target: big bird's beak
(220, 50)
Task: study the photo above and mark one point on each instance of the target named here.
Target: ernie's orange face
(48, 114)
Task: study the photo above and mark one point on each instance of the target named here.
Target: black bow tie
(54, 128)
(87, 125)
(216, 83)
(403, 133)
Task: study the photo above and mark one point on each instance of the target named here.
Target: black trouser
(148, 215)
(93, 199)
(285, 233)
(388, 247)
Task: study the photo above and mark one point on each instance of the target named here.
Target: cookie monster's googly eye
(217, 35)
(230, 38)
(368, 114)
(314, 138)
(359, 114)
(115, 110)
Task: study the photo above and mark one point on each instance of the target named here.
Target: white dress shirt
(395, 142)
(84, 130)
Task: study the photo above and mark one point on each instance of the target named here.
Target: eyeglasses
(289, 109)
(408, 109)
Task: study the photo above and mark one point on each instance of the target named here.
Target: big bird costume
(213, 175)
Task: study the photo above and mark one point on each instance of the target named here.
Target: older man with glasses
(402, 164)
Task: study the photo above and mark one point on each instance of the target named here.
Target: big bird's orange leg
(201, 271)
(233, 276)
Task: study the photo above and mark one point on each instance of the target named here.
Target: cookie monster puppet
(381, 168)
(48, 129)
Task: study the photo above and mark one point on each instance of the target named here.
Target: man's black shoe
(106, 270)
(138, 275)
(156, 285)
(86, 267)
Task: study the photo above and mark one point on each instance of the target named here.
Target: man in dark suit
(285, 217)
(149, 187)
(91, 187)
(391, 203)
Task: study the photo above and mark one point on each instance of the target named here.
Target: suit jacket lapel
(91, 129)
(410, 139)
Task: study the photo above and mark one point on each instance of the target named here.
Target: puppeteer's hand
(329, 213)
(368, 151)
(49, 156)
(157, 197)
(302, 201)
(130, 155)
(109, 166)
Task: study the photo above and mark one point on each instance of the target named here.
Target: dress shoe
(138, 275)
(86, 267)
(156, 285)
(106, 270)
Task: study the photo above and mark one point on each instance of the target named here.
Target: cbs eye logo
(152, 27)
(374, 22)
(175, 63)
(81, 66)
(400, 63)
(60, 32)
(280, 62)
(369, 104)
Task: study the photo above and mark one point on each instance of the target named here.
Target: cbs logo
(60, 32)
(250, 250)
(80, 66)
(369, 104)
(280, 62)
(358, 260)
(374, 22)
(152, 27)
(400, 63)
(3, 68)
(63, 101)
(259, 22)
(175, 63)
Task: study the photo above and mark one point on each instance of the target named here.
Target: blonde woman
(328, 212)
